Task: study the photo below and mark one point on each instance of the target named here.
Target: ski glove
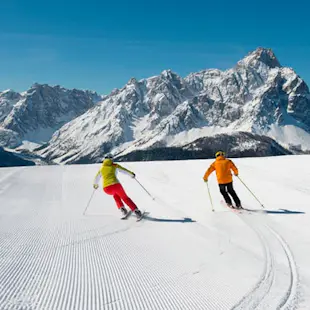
(206, 181)
(133, 175)
(95, 186)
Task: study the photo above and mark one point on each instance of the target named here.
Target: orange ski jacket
(222, 167)
(108, 173)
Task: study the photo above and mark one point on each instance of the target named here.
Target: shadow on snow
(279, 211)
(283, 211)
(165, 220)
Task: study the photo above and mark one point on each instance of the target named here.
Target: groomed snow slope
(182, 256)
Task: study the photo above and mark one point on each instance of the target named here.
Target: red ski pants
(119, 195)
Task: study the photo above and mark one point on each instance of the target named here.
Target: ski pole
(250, 192)
(210, 197)
(90, 199)
(145, 189)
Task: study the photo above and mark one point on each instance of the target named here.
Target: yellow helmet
(219, 153)
(108, 160)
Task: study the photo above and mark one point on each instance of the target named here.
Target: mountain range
(258, 100)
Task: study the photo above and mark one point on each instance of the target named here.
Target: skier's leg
(224, 193)
(118, 201)
(120, 204)
(122, 194)
(233, 194)
(111, 190)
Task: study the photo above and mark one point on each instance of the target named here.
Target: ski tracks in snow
(277, 288)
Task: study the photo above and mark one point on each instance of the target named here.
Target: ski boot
(124, 211)
(138, 213)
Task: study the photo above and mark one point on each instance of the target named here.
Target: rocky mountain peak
(263, 55)
(37, 113)
(9, 94)
(170, 75)
(38, 86)
(132, 81)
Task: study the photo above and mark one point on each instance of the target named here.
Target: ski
(125, 217)
(141, 217)
(232, 207)
(240, 210)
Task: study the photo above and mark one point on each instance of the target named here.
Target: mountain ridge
(37, 113)
(257, 95)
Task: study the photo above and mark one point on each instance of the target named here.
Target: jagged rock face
(128, 114)
(9, 138)
(261, 55)
(255, 95)
(8, 99)
(39, 112)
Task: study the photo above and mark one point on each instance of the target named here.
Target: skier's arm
(97, 179)
(208, 172)
(234, 168)
(124, 169)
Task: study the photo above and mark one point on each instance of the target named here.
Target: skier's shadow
(164, 220)
(284, 211)
(279, 211)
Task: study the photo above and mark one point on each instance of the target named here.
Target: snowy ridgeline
(257, 96)
(181, 256)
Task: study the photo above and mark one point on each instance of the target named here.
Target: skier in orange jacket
(223, 167)
(112, 186)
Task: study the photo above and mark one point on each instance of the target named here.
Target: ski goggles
(220, 153)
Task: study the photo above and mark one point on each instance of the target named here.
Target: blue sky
(100, 45)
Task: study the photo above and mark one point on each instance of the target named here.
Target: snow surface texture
(258, 96)
(181, 256)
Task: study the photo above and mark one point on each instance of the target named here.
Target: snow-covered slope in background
(257, 96)
(37, 113)
(238, 144)
(182, 256)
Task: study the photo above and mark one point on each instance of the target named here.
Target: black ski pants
(226, 189)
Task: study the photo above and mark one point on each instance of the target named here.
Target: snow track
(290, 298)
(277, 286)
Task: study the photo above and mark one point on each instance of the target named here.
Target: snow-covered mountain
(257, 96)
(8, 99)
(36, 114)
(238, 144)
